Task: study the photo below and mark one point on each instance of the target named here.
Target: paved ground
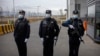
(8, 46)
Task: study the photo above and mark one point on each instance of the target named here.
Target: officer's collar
(48, 19)
(21, 19)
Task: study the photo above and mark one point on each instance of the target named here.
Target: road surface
(35, 48)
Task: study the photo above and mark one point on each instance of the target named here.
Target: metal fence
(31, 12)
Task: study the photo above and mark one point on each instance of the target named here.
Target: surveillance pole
(1, 13)
(14, 9)
(38, 7)
(67, 9)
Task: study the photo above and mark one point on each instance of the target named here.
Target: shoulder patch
(44, 22)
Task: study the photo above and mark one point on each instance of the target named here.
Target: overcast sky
(32, 4)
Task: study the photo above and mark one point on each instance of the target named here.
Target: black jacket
(78, 24)
(24, 32)
(53, 32)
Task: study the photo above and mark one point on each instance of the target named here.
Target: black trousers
(48, 47)
(74, 47)
(22, 48)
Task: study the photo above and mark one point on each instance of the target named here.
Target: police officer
(21, 33)
(48, 31)
(75, 32)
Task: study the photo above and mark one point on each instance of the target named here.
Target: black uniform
(21, 32)
(48, 30)
(74, 35)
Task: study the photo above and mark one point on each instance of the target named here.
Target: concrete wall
(83, 7)
(71, 7)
